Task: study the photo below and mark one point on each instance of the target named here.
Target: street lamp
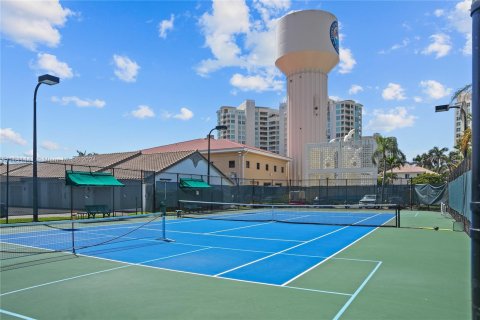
(50, 80)
(446, 107)
(209, 134)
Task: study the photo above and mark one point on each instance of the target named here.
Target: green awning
(91, 179)
(193, 184)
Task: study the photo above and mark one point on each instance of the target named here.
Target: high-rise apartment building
(253, 125)
(342, 117)
(466, 100)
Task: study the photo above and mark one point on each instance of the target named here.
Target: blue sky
(141, 74)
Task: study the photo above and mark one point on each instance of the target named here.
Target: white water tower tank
(307, 49)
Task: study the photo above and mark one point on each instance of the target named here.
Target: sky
(136, 75)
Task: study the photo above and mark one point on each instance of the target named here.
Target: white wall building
(341, 159)
(253, 125)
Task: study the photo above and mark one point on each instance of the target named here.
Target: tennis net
(387, 215)
(29, 239)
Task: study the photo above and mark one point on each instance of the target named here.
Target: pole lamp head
(48, 79)
(221, 128)
(442, 108)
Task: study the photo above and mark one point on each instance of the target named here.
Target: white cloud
(435, 89)
(8, 135)
(439, 12)
(390, 120)
(33, 23)
(164, 26)
(51, 65)
(440, 45)
(249, 43)
(347, 61)
(418, 99)
(50, 145)
(354, 89)
(228, 20)
(459, 18)
(393, 91)
(166, 115)
(335, 98)
(405, 42)
(255, 83)
(185, 114)
(28, 153)
(143, 112)
(125, 68)
(82, 103)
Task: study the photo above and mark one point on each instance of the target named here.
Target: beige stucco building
(241, 163)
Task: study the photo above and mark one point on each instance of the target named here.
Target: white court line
(228, 279)
(258, 224)
(16, 315)
(347, 304)
(328, 258)
(282, 251)
(230, 236)
(101, 271)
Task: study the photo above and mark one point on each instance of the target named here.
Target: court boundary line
(328, 258)
(287, 249)
(126, 265)
(355, 294)
(224, 278)
(16, 315)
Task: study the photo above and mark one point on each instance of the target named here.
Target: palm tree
(395, 161)
(438, 158)
(453, 159)
(423, 161)
(386, 147)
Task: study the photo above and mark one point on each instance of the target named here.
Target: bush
(429, 178)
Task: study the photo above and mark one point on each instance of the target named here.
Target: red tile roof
(411, 168)
(202, 146)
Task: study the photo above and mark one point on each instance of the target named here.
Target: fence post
(411, 193)
(7, 191)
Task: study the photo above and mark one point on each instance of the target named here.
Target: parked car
(368, 199)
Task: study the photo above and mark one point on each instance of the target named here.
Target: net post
(73, 236)
(163, 209)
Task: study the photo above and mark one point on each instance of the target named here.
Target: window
(283, 170)
(258, 166)
(266, 167)
(247, 164)
(274, 168)
(231, 164)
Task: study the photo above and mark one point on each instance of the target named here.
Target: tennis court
(243, 259)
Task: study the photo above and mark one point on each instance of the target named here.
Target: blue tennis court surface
(263, 252)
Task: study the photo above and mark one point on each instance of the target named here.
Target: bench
(93, 210)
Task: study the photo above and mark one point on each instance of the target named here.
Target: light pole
(446, 107)
(208, 154)
(50, 80)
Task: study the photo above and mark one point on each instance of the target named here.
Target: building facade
(243, 164)
(343, 117)
(465, 100)
(255, 126)
(342, 160)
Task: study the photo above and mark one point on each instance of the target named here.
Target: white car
(368, 199)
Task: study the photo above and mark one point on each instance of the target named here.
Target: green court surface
(392, 273)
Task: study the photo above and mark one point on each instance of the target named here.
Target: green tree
(386, 147)
(428, 178)
(438, 159)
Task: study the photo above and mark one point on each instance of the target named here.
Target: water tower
(307, 49)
